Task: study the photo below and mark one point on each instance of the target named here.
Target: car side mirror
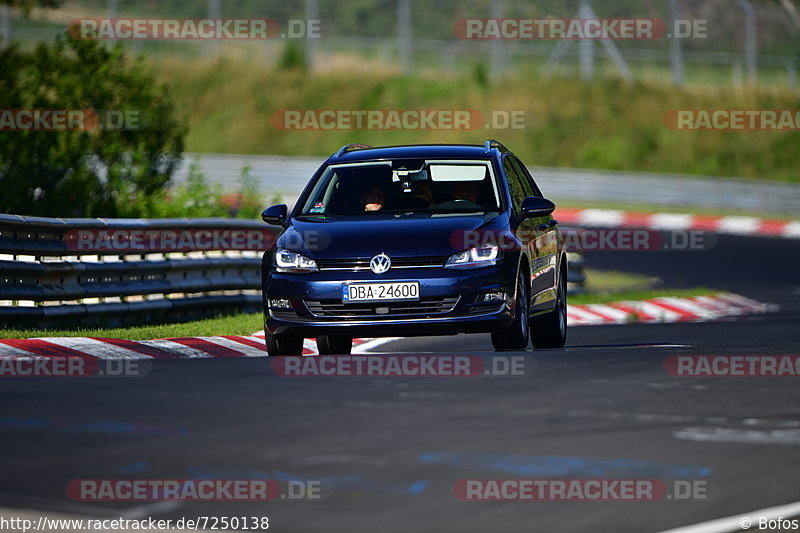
(533, 206)
(276, 215)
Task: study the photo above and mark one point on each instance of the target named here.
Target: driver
(466, 190)
(374, 199)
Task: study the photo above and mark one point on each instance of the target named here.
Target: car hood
(399, 236)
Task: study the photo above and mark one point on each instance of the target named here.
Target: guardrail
(576, 277)
(101, 272)
(107, 272)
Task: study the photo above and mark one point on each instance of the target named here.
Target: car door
(542, 244)
(526, 228)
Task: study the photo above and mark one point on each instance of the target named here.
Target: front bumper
(455, 292)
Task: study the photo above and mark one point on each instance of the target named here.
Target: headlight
(474, 257)
(291, 262)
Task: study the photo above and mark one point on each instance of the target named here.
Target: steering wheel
(458, 204)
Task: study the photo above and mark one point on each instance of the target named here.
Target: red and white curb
(732, 225)
(665, 309)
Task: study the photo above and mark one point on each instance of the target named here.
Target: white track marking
(95, 348)
(616, 315)
(178, 349)
(311, 345)
(689, 306)
(714, 303)
(371, 344)
(669, 221)
(602, 217)
(581, 315)
(739, 225)
(11, 351)
(731, 524)
(240, 347)
(792, 229)
(715, 434)
(661, 314)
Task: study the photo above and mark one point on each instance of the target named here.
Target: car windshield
(404, 186)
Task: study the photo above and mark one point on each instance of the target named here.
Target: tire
(550, 330)
(334, 345)
(515, 336)
(278, 345)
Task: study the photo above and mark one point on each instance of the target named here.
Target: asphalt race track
(391, 449)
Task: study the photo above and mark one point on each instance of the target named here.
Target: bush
(98, 173)
(199, 198)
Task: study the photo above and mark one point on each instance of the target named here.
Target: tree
(27, 5)
(84, 173)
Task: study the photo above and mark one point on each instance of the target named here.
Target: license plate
(380, 292)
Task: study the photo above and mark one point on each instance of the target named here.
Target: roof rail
(491, 143)
(350, 147)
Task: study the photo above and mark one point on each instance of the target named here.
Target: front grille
(424, 307)
(397, 262)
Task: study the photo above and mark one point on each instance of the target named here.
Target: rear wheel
(334, 345)
(550, 329)
(281, 345)
(515, 336)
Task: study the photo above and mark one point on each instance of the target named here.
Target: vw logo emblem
(380, 263)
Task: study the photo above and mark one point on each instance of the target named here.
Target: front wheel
(550, 330)
(515, 336)
(334, 345)
(278, 345)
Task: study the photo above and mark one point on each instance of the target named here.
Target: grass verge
(604, 286)
(241, 324)
(602, 298)
(608, 124)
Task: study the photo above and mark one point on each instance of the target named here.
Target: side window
(527, 179)
(515, 187)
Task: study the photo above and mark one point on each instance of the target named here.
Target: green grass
(607, 124)
(600, 298)
(241, 324)
(603, 286)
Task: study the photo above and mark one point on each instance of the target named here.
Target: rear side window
(515, 185)
(526, 177)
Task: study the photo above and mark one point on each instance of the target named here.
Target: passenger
(373, 199)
